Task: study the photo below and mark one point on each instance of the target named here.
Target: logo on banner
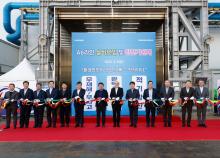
(110, 84)
(141, 85)
(89, 84)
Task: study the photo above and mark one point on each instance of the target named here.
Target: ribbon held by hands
(37, 103)
(52, 103)
(26, 102)
(200, 102)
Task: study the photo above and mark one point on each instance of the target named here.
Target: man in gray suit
(11, 108)
(201, 92)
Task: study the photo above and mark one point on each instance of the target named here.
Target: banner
(113, 56)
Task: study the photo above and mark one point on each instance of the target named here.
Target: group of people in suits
(153, 98)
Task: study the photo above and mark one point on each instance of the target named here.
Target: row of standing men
(166, 93)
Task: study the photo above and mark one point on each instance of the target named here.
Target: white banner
(89, 84)
(110, 83)
(141, 85)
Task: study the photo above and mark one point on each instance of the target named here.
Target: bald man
(116, 95)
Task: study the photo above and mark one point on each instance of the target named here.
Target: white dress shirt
(150, 93)
(116, 90)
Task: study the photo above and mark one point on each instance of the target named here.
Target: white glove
(36, 100)
(192, 98)
(113, 98)
(148, 98)
(201, 98)
(21, 99)
(130, 99)
(206, 99)
(186, 98)
(117, 98)
(103, 98)
(76, 97)
(12, 100)
(170, 99)
(163, 100)
(134, 99)
(64, 99)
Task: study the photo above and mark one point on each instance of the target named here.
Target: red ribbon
(200, 105)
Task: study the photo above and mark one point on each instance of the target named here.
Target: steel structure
(181, 26)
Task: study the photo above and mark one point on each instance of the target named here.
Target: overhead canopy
(22, 72)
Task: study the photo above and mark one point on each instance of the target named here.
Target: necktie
(10, 95)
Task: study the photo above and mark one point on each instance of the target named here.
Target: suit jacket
(134, 95)
(14, 95)
(28, 95)
(119, 94)
(41, 95)
(204, 94)
(65, 94)
(168, 95)
(183, 94)
(146, 94)
(104, 95)
(81, 94)
(54, 94)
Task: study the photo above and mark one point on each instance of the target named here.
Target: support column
(44, 67)
(204, 31)
(175, 41)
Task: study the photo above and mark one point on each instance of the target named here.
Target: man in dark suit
(39, 105)
(26, 96)
(167, 94)
(187, 94)
(52, 93)
(12, 97)
(79, 103)
(101, 97)
(202, 92)
(132, 96)
(149, 95)
(64, 108)
(116, 95)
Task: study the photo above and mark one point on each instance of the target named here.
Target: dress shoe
(152, 125)
(81, 126)
(204, 125)
(188, 125)
(103, 125)
(15, 127)
(48, 126)
(118, 125)
(135, 126)
(97, 125)
(76, 125)
(6, 127)
(131, 125)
